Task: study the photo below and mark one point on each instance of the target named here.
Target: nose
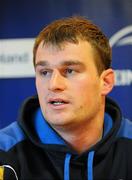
(57, 82)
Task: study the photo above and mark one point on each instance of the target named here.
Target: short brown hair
(72, 30)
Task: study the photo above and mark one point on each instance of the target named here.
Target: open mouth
(58, 102)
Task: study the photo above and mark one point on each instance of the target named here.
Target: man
(71, 130)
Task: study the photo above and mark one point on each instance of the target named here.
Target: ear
(107, 81)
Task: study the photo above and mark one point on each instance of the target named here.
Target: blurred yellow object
(1, 172)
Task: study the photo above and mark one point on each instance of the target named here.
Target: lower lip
(58, 106)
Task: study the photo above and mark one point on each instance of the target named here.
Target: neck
(83, 136)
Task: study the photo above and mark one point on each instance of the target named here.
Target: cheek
(81, 94)
(40, 86)
(86, 92)
(37, 83)
(81, 88)
(41, 91)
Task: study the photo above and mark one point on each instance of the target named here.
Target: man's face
(68, 84)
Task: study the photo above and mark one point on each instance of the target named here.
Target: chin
(58, 121)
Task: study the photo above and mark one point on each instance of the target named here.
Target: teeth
(57, 103)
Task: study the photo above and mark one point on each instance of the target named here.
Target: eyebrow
(64, 63)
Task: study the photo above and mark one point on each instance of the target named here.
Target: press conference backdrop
(20, 22)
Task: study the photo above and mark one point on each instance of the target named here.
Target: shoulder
(10, 136)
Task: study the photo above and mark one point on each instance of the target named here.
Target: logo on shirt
(10, 168)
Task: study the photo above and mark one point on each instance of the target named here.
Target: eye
(69, 71)
(45, 73)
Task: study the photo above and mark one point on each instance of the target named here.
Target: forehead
(81, 51)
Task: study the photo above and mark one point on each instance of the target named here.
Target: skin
(69, 74)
